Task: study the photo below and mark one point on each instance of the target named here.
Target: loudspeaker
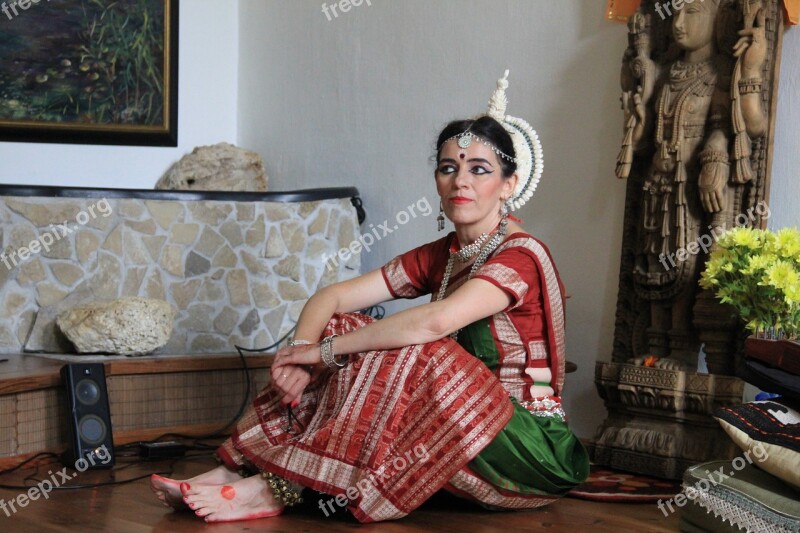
(91, 444)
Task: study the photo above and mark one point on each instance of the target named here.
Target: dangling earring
(504, 207)
(440, 218)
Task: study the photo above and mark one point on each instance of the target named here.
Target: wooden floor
(132, 508)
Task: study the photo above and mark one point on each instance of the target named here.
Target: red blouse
(529, 333)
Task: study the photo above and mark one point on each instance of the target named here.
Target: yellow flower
(792, 294)
(787, 243)
(757, 263)
(758, 272)
(746, 237)
(782, 275)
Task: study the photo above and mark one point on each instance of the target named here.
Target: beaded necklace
(486, 251)
(466, 253)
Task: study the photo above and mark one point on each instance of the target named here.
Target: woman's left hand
(303, 354)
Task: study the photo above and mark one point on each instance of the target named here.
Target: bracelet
(713, 156)
(750, 85)
(326, 352)
(282, 490)
(300, 342)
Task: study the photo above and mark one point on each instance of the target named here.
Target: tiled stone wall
(237, 272)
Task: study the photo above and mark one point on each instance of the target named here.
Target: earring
(440, 218)
(504, 207)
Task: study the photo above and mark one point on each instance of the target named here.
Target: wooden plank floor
(132, 508)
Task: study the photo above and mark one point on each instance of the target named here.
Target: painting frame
(164, 133)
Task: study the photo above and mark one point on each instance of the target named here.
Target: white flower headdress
(528, 149)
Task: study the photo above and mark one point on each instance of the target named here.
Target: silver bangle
(300, 342)
(326, 353)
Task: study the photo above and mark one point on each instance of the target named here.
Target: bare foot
(246, 499)
(169, 490)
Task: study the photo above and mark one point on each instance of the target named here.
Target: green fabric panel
(533, 455)
(477, 339)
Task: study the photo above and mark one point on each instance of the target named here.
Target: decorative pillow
(743, 498)
(770, 428)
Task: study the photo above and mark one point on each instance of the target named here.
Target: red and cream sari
(393, 427)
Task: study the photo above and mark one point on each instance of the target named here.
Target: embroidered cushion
(773, 426)
(736, 496)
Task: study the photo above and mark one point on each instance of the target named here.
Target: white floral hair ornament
(527, 148)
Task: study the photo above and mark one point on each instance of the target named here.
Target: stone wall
(237, 272)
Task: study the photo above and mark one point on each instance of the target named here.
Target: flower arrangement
(758, 273)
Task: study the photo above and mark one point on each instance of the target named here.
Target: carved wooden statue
(693, 105)
(698, 99)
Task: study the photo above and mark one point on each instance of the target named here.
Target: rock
(221, 167)
(128, 326)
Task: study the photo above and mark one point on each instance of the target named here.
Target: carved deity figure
(692, 104)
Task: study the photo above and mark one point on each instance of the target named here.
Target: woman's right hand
(290, 381)
(294, 368)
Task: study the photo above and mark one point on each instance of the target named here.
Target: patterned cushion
(773, 426)
(736, 496)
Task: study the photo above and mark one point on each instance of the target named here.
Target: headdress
(527, 147)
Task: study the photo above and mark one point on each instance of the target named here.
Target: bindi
(227, 492)
(462, 155)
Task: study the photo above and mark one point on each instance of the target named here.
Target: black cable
(197, 446)
(219, 433)
(28, 460)
(74, 486)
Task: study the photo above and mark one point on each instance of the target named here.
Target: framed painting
(89, 71)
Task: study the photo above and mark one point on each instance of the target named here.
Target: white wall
(785, 185)
(207, 102)
(358, 100)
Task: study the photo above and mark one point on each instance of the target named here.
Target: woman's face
(470, 183)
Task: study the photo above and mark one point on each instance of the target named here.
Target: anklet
(282, 489)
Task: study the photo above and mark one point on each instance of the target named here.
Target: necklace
(469, 250)
(485, 252)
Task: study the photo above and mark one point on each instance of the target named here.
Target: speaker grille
(89, 416)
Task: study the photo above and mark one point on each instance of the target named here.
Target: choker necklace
(495, 240)
(469, 250)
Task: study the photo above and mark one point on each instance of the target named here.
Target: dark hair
(486, 128)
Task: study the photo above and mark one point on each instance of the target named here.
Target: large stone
(128, 326)
(220, 167)
(104, 284)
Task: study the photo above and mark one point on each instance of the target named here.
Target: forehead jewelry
(464, 141)
(527, 147)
